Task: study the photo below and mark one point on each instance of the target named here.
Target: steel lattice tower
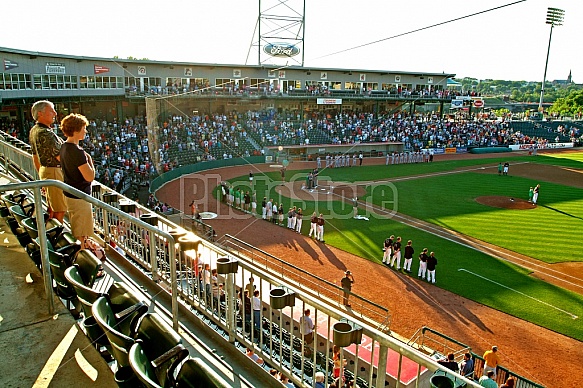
(279, 33)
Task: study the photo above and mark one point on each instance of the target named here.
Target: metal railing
(307, 281)
(427, 338)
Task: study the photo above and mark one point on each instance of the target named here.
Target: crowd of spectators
(416, 131)
(123, 153)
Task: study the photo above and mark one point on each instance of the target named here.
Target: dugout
(311, 152)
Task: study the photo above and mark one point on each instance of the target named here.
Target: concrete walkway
(40, 349)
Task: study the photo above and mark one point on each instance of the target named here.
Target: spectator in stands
(273, 372)
(320, 377)
(491, 360)
(78, 172)
(45, 148)
(509, 383)
(245, 309)
(251, 354)
(256, 304)
(467, 366)
(207, 279)
(487, 380)
(449, 362)
(218, 293)
(250, 286)
(285, 381)
(338, 366)
(307, 327)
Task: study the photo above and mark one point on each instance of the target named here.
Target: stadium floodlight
(555, 17)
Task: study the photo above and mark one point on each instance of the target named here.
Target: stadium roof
(34, 54)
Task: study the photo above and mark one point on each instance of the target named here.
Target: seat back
(11, 199)
(142, 366)
(53, 228)
(157, 338)
(87, 296)
(196, 373)
(88, 265)
(58, 263)
(120, 342)
(29, 224)
(66, 243)
(20, 213)
(121, 298)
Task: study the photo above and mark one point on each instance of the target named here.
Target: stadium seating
(59, 263)
(194, 372)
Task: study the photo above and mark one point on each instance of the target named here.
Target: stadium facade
(113, 89)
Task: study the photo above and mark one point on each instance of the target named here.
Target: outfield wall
(518, 147)
(162, 179)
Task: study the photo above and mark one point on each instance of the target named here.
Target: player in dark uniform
(396, 254)
(388, 250)
(422, 264)
(320, 228)
(409, 251)
(431, 263)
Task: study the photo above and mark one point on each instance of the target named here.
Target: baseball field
(445, 194)
(509, 273)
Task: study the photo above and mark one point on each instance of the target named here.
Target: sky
(508, 43)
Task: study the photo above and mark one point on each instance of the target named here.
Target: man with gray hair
(46, 147)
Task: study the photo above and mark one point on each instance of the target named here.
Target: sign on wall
(329, 101)
(8, 64)
(55, 68)
(97, 69)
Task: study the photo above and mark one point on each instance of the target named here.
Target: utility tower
(278, 38)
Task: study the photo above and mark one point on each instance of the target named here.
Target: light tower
(555, 17)
(279, 33)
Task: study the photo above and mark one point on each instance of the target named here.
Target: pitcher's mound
(505, 202)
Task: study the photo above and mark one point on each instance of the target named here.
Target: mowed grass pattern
(545, 232)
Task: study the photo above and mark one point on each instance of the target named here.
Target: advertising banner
(329, 101)
(100, 69)
(518, 147)
(8, 64)
(55, 68)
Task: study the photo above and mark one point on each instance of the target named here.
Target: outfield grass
(550, 232)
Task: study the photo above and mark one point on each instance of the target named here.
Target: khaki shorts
(80, 217)
(55, 196)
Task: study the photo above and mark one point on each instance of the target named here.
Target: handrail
(37, 185)
(316, 279)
